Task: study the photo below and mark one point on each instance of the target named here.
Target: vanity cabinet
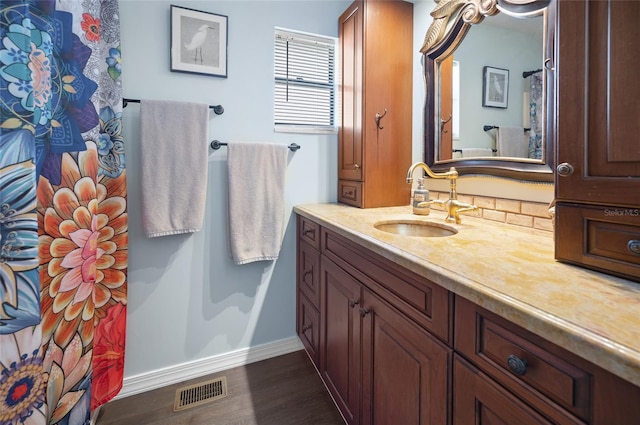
(598, 176)
(502, 371)
(374, 139)
(392, 347)
(382, 353)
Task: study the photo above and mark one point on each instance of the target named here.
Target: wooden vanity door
(598, 102)
(340, 338)
(405, 369)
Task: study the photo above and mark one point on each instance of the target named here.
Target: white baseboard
(159, 378)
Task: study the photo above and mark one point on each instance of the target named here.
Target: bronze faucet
(452, 205)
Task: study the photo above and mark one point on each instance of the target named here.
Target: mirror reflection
(487, 108)
(491, 92)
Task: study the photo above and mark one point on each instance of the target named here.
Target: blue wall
(187, 300)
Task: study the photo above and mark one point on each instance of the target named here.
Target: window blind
(304, 81)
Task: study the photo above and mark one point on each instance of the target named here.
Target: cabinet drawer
(350, 192)
(308, 270)
(309, 231)
(602, 238)
(421, 300)
(548, 375)
(308, 327)
(479, 400)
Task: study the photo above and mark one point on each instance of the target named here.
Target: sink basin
(415, 228)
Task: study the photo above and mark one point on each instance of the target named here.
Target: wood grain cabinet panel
(308, 326)
(308, 270)
(340, 338)
(597, 131)
(406, 370)
(376, 47)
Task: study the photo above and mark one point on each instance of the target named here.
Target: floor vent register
(201, 393)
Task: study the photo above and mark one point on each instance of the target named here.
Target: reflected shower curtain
(63, 216)
(535, 114)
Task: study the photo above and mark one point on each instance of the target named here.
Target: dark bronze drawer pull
(306, 273)
(310, 232)
(353, 303)
(306, 328)
(517, 365)
(364, 311)
(634, 246)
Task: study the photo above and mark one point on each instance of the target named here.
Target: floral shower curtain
(535, 115)
(63, 212)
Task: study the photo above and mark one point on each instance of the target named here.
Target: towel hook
(443, 122)
(379, 117)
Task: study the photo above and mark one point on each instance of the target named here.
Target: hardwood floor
(284, 390)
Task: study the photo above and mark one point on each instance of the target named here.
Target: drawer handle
(364, 311)
(353, 303)
(306, 273)
(306, 328)
(634, 246)
(517, 365)
(310, 232)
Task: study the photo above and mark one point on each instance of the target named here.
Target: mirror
(489, 88)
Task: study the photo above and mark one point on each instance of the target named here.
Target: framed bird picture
(198, 42)
(495, 87)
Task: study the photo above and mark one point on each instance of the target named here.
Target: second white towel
(257, 174)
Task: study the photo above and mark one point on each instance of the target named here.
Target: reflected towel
(476, 152)
(257, 174)
(173, 162)
(511, 142)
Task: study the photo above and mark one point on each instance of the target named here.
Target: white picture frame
(198, 42)
(495, 87)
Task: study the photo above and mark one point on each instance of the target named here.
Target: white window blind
(304, 82)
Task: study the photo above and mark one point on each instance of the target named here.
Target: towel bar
(216, 144)
(460, 150)
(492, 127)
(218, 109)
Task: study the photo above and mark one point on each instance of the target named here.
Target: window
(304, 82)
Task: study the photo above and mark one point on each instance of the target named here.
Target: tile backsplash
(519, 213)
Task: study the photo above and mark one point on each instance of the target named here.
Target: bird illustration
(197, 41)
(497, 88)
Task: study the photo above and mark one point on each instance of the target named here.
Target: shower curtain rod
(216, 144)
(218, 109)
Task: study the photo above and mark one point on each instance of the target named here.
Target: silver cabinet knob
(564, 169)
(356, 166)
(634, 246)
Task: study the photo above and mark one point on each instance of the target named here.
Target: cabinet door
(477, 400)
(405, 370)
(598, 105)
(340, 337)
(350, 134)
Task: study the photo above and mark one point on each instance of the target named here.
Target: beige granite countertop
(511, 271)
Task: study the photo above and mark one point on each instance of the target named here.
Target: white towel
(476, 152)
(257, 174)
(173, 161)
(511, 142)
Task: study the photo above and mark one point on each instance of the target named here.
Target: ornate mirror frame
(452, 19)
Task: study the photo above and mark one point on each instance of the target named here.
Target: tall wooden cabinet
(598, 136)
(376, 92)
